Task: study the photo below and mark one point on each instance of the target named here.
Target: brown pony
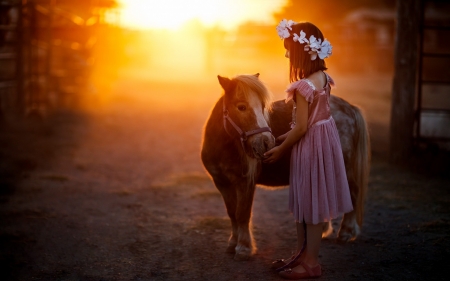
(243, 125)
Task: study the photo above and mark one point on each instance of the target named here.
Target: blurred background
(93, 55)
(57, 53)
(61, 55)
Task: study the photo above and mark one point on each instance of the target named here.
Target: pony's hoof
(345, 237)
(232, 243)
(348, 234)
(242, 253)
(327, 229)
(231, 249)
(241, 257)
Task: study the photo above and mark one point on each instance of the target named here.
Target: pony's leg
(350, 229)
(246, 245)
(229, 197)
(327, 229)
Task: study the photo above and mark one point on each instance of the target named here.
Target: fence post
(19, 32)
(405, 80)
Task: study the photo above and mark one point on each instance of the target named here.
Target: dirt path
(120, 194)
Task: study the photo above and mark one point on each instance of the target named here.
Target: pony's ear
(224, 82)
(256, 75)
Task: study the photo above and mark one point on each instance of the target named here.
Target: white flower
(290, 24)
(318, 48)
(314, 44)
(283, 28)
(315, 47)
(300, 39)
(325, 49)
(283, 33)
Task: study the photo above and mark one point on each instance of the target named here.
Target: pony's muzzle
(262, 143)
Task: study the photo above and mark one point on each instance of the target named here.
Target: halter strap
(244, 135)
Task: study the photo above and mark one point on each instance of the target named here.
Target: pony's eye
(242, 107)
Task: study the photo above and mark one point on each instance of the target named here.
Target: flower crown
(313, 46)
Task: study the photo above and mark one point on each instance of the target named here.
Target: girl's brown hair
(300, 63)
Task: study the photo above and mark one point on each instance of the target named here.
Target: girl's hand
(273, 155)
(281, 138)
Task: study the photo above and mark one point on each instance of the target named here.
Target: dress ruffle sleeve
(303, 88)
(330, 80)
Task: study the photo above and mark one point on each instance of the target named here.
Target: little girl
(318, 189)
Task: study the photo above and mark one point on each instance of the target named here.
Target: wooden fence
(46, 53)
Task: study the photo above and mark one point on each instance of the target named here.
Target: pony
(242, 125)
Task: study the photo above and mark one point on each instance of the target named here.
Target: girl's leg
(313, 239)
(300, 238)
(300, 235)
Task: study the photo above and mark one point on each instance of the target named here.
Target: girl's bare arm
(293, 135)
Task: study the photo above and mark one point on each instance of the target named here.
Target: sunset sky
(172, 14)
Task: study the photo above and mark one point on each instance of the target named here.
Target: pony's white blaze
(255, 104)
(263, 141)
(258, 141)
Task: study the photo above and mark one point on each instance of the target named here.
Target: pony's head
(246, 102)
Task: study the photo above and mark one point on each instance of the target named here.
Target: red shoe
(309, 272)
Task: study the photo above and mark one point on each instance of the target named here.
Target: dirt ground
(118, 192)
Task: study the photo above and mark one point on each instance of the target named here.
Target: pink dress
(318, 189)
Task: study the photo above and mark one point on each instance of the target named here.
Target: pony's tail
(361, 163)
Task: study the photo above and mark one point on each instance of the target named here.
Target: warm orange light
(181, 42)
(172, 14)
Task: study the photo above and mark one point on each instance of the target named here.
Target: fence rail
(432, 121)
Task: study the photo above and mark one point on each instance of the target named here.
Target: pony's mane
(250, 83)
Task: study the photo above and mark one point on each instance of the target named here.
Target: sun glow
(172, 14)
